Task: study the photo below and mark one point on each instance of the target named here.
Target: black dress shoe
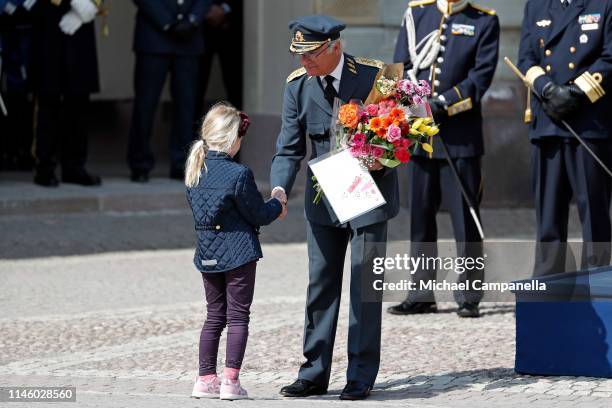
(409, 308)
(81, 177)
(46, 179)
(302, 388)
(355, 390)
(140, 177)
(468, 309)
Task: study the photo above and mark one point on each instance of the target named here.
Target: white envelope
(348, 186)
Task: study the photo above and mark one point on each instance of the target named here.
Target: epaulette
(483, 9)
(370, 62)
(296, 74)
(417, 3)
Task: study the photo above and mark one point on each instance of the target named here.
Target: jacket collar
(217, 155)
(448, 8)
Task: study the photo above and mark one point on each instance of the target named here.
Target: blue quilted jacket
(228, 211)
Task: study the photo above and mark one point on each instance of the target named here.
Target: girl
(228, 210)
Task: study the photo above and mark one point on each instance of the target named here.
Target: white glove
(70, 23)
(86, 9)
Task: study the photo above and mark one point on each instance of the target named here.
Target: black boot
(81, 177)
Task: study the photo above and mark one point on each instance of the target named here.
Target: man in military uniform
(328, 73)
(64, 73)
(459, 57)
(168, 38)
(566, 55)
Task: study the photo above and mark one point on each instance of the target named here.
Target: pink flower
(406, 86)
(366, 150)
(359, 139)
(364, 117)
(417, 100)
(378, 152)
(355, 151)
(423, 89)
(394, 133)
(384, 107)
(372, 109)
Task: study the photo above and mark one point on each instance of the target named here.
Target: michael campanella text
(533, 285)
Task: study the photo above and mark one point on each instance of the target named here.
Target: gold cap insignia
(298, 36)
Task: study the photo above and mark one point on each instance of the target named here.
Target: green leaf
(389, 163)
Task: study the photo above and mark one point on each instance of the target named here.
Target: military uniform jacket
(566, 46)
(62, 63)
(462, 73)
(154, 16)
(306, 116)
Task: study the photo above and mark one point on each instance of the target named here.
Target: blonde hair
(219, 132)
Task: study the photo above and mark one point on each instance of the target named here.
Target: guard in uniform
(16, 116)
(566, 55)
(454, 45)
(64, 72)
(328, 73)
(168, 38)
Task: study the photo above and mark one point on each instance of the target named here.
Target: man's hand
(375, 166)
(283, 213)
(216, 16)
(182, 30)
(561, 101)
(279, 193)
(438, 109)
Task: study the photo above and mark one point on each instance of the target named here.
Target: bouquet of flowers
(395, 120)
(388, 130)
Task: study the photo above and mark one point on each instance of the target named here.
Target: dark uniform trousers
(428, 178)
(326, 252)
(461, 74)
(64, 72)
(563, 169)
(559, 45)
(149, 77)
(61, 127)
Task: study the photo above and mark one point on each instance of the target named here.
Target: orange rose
(349, 115)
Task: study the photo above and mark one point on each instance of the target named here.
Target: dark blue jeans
(228, 302)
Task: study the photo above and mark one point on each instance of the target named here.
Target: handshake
(279, 194)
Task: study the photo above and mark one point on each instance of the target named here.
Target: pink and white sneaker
(206, 389)
(231, 390)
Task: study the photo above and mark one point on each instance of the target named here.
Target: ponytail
(195, 163)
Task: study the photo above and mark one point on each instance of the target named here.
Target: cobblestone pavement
(123, 328)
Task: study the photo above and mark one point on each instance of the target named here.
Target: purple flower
(417, 100)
